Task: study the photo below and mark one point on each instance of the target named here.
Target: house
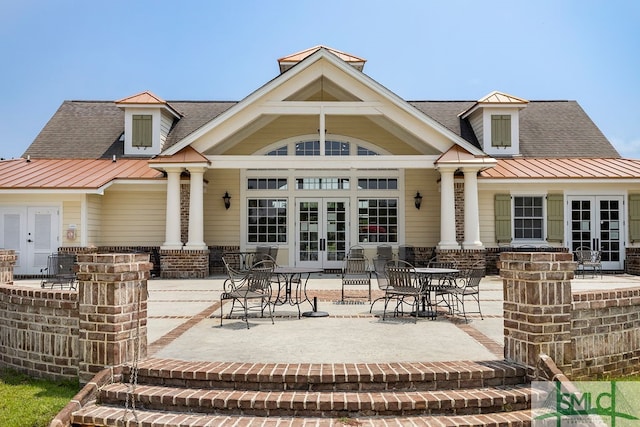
(316, 160)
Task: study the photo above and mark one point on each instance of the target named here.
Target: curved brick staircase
(197, 394)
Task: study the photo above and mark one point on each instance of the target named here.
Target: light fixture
(418, 200)
(227, 200)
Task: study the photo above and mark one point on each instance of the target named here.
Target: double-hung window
(528, 218)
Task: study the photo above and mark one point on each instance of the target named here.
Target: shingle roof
(92, 129)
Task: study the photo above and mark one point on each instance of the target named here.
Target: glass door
(596, 223)
(322, 232)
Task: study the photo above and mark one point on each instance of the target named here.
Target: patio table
(427, 274)
(298, 295)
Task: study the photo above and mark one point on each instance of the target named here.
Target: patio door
(596, 223)
(32, 233)
(322, 232)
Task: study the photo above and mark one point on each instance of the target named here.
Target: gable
(329, 91)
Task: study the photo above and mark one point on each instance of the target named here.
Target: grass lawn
(30, 402)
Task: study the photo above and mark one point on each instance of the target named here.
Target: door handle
(29, 241)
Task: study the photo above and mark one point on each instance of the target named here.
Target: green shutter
(142, 130)
(502, 206)
(500, 130)
(634, 217)
(555, 218)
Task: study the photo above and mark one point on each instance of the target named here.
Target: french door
(32, 232)
(322, 232)
(597, 224)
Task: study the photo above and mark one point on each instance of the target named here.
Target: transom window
(322, 183)
(378, 220)
(378, 183)
(267, 183)
(528, 217)
(267, 220)
(331, 148)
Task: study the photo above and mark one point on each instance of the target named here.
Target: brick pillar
(537, 307)
(7, 261)
(112, 297)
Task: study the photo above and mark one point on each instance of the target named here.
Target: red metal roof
(564, 168)
(71, 173)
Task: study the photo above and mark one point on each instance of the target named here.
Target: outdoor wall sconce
(418, 200)
(227, 200)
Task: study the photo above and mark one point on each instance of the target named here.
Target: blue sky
(586, 50)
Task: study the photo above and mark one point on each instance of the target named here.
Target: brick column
(112, 297)
(537, 307)
(7, 261)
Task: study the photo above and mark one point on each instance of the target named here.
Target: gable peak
(496, 97)
(145, 97)
(289, 61)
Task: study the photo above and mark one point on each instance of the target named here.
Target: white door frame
(37, 236)
(598, 227)
(325, 224)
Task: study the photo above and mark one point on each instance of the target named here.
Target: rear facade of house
(317, 160)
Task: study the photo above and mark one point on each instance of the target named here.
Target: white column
(172, 223)
(471, 210)
(196, 209)
(447, 211)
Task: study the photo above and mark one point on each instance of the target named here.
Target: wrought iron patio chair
(381, 278)
(588, 258)
(404, 286)
(60, 270)
(384, 252)
(467, 287)
(255, 285)
(355, 272)
(445, 283)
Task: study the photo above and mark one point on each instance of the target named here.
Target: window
(528, 218)
(336, 148)
(281, 151)
(501, 130)
(142, 130)
(267, 221)
(322, 183)
(378, 220)
(377, 184)
(308, 148)
(363, 151)
(267, 184)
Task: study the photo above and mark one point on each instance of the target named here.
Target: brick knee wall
(39, 331)
(184, 264)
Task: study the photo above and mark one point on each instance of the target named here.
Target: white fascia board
(322, 162)
(29, 191)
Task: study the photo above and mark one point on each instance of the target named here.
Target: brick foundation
(184, 264)
(8, 259)
(632, 261)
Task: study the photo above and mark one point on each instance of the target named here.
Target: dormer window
(495, 119)
(147, 121)
(142, 130)
(500, 130)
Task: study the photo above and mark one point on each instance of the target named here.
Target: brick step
(320, 404)
(328, 377)
(100, 416)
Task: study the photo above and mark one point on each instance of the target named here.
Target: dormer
(495, 119)
(147, 122)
